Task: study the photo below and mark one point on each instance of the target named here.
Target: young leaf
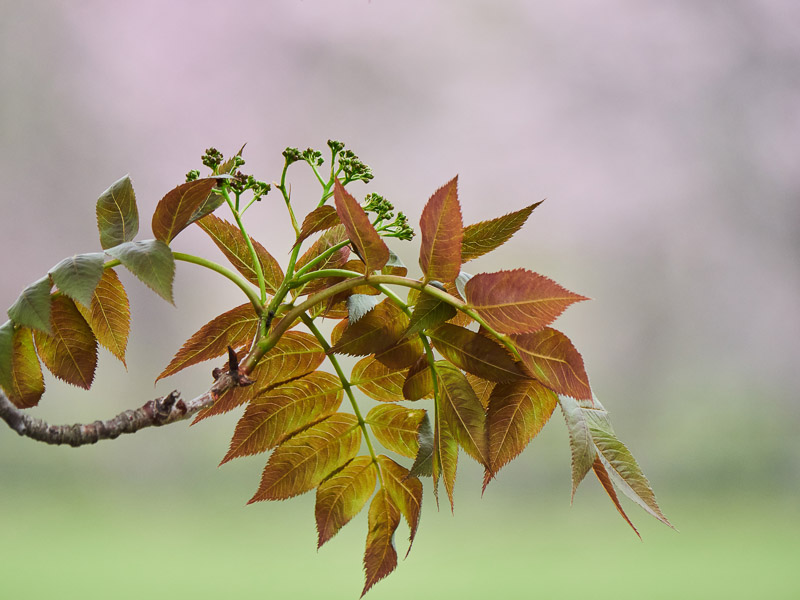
(301, 463)
(380, 557)
(360, 304)
(32, 307)
(482, 387)
(518, 301)
(70, 352)
(517, 413)
(402, 354)
(342, 496)
(428, 313)
(229, 239)
(551, 358)
(485, 236)
(79, 275)
(379, 329)
(282, 410)
(368, 243)
(377, 381)
(234, 328)
(463, 413)
(405, 492)
(332, 237)
(109, 315)
(321, 218)
(475, 353)
(175, 211)
(418, 383)
(605, 480)
(6, 355)
(27, 384)
(442, 231)
(423, 463)
(394, 266)
(117, 215)
(580, 440)
(445, 456)
(397, 427)
(151, 261)
(230, 164)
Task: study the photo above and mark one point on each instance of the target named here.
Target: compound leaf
(475, 353)
(79, 275)
(397, 427)
(377, 381)
(368, 242)
(109, 315)
(179, 208)
(32, 307)
(151, 261)
(485, 236)
(441, 228)
(551, 358)
(117, 215)
(380, 557)
(342, 496)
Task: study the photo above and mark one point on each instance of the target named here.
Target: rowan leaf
(70, 351)
(482, 387)
(78, 276)
(423, 463)
(475, 353)
(605, 480)
(376, 331)
(517, 301)
(6, 355)
(32, 307)
(109, 315)
(377, 381)
(342, 496)
(405, 492)
(551, 358)
(117, 215)
(26, 384)
(580, 439)
(332, 237)
(429, 312)
(176, 210)
(151, 261)
(229, 239)
(418, 383)
(517, 412)
(380, 557)
(321, 218)
(275, 413)
(233, 328)
(396, 427)
(230, 164)
(403, 353)
(485, 236)
(301, 462)
(463, 413)
(441, 229)
(445, 456)
(368, 243)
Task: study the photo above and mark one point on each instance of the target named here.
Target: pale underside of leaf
(32, 307)
(151, 261)
(78, 276)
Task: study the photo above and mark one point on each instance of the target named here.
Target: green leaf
(428, 312)
(229, 164)
(405, 492)
(377, 381)
(485, 236)
(6, 356)
(605, 480)
(441, 228)
(151, 261)
(79, 275)
(380, 557)
(109, 315)
(368, 243)
(551, 358)
(475, 353)
(580, 439)
(329, 239)
(321, 218)
(463, 413)
(342, 496)
(27, 383)
(177, 210)
(396, 427)
(445, 455)
(483, 388)
(423, 463)
(32, 307)
(117, 215)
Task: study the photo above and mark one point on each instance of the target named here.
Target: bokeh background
(665, 137)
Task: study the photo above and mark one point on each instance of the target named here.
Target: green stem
(311, 264)
(240, 281)
(262, 286)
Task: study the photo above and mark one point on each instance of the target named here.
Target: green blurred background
(665, 138)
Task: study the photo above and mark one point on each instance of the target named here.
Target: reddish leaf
(403, 354)
(475, 353)
(368, 243)
(428, 312)
(229, 239)
(442, 230)
(517, 301)
(230, 164)
(342, 496)
(483, 388)
(234, 328)
(485, 236)
(70, 352)
(580, 439)
(551, 358)
(380, 557)
(151, 261)
(418, 383)
(405, 492)
(376, 331)
(377, 381)
(321, 218)
(26, 384)
(32, 307)
(445, 455)
(6, 355)
(396, 427)
(117, 215)
(517, 413)
(332, 237)
(278, 412)
(605, 480)
(175, 210)
(109, 314)
(301, 463)
(394, 266)
(463, 413)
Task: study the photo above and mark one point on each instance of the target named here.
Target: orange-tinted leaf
(418, 383)
(230, 164)
(483, 388)
(371, 248)
(517, 301)
(231, 242)
(405, 492)
(475, 353)
(551, 358)
(26, 384)
(109, 314)
(463, 413)
(151, 261)
(442, 231)
(174, 211)
(429, 312)
(301, 463)
(376, 331)
(321, 218)
(380, 557)
(403, 354)
(485, 236)
(517, 413)
(234, 328)
(332, 237)
(445, 455)
(32, 307)
(342, 496)
(278, 412)
(6, 355)
(394, 266)
(117, 215)
(377, 381)
(580, 439)
(605, 480)
(396, 427)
